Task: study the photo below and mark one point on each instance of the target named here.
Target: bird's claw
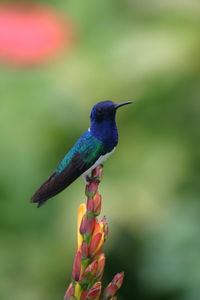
(92, 179)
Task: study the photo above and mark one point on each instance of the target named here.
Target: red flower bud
(87, 225)
(89, 273)
(91, 188)
(95, 292)
(76, 266)
(95, 172)
(96, 244)
(113, 287)
(84, 250)
(83, 225)
(83, 295)
(110, 290)
(69, 293)
(118, 279)
(100, 267)
(90, 205)
(98, 172)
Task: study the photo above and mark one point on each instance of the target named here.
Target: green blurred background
(123, 50)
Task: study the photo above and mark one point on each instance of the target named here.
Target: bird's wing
(79, 159)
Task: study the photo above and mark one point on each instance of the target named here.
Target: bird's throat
(106, 132)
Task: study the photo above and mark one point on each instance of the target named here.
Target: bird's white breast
(99, 161)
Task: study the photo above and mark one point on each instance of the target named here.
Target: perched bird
(91, 149)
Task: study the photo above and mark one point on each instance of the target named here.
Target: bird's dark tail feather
(41, 202)
(38, 201)
(58, 182)
(42, 194)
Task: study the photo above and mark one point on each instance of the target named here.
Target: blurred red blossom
(31, 33)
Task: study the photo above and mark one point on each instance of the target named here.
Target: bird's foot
(92, 179)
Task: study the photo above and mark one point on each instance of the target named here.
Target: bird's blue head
(105, 111)
(103, 124)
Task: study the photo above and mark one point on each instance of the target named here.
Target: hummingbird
(90, 150)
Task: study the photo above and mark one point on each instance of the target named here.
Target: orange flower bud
(105, 227)
(97, 204)
(100, 267)
(96, 244)
(97, 228)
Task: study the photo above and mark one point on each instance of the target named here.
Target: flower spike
(89, 261)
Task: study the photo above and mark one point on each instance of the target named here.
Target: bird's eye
(99, 114)
(99, 110)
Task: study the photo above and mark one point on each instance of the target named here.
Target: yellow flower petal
(81, 213)
(101, 229)
(77, 291)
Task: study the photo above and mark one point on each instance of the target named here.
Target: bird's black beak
(122, 104)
